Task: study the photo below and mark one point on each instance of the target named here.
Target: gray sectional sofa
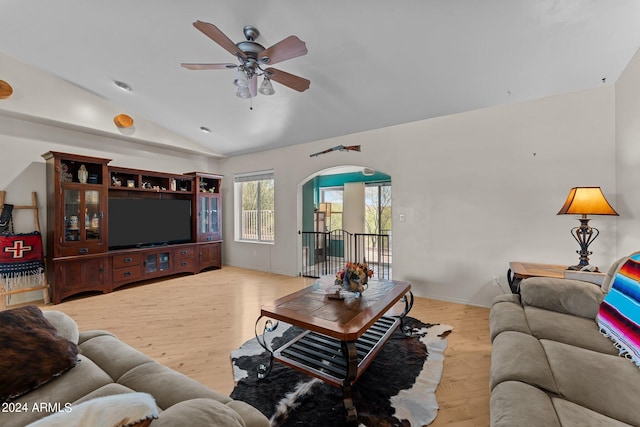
(551, 366)
(101, 367)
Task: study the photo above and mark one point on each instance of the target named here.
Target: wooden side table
(522, 270)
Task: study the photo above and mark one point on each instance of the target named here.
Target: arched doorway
(345, 215)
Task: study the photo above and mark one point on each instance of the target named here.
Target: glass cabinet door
(150, 263)
(92, 215)
(164, 261)
(208, 223)
(204, 215)
(72, 215)
(213, 214)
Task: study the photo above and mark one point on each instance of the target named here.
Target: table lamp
(585, 201)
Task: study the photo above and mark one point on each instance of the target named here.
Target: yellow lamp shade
(5, 90)
(586, 201)
(123, 121)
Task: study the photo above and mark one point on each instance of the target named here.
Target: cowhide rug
(397, 389)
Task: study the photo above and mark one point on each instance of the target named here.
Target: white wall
(477, 189)
(628, 157)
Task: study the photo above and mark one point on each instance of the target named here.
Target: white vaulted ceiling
(372, 63)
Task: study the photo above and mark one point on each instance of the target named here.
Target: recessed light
(205, 129)
(122, 85)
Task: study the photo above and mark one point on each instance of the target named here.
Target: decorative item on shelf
(65, 175)
(115, 181)
(95, 221)
(73, 222)
(172, 184)
(123, 121)
(585, 201)
(131, 183)
(354, 277)
(93, 178)
(83, 174)
(203, 187)
(5, 90)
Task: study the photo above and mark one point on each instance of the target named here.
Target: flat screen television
(146, 222)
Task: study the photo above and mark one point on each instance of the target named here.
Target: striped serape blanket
(619, 314)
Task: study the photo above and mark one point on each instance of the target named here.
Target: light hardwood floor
(192, 323)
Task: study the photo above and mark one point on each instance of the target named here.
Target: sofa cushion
(571, 414)
(106, 390)
(167, 386)
(574, 330)
(200, 412)
(27, 339)
(603, 383)
(515, 404)
(520, 357)
(619, 314)
(112, 355)
(119, 410)
(250, 415)
(562, 295)
(65, 326)
(507, 315)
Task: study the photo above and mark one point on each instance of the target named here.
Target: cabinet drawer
(182, 253)
(81, 250)
(127, 260)
(183, 264)
(127, 273)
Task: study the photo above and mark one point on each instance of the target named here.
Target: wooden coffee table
(341, 337)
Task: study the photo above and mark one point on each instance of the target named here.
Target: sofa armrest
(569, 296)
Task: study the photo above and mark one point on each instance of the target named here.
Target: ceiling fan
(253, 58)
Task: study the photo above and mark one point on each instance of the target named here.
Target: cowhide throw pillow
(31, 351)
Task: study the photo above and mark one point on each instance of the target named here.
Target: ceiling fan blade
(288, 48)
(224, 66)
(219, 37)
(294, 82)
(253, 86)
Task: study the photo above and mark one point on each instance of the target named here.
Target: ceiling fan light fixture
(266, 88)
(243, 92)
(240, 79)
(252, 56)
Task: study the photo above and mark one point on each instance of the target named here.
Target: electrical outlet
(496, 281)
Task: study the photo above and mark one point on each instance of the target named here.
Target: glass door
(164, 261)
(208, 223)
(72, 216)
(204, 215)
(92, 215)
(150, 263)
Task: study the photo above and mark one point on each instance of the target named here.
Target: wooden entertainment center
(80, 257)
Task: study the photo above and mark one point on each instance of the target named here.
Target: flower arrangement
(354, 276)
